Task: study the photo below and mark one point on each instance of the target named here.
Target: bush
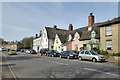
(104, 52)
(117, 54)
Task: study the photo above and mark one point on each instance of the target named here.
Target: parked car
(89, 55)
(33, 52)
(22, 50)
(52, 53)
(18, 50)
(12, 51)
(3, 49)
(43, 51)
(68, 54)
(27, 51)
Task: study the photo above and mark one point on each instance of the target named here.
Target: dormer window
(93, 35)
(108, 31)
(76, 38)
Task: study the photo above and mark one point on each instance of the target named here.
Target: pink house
(76, 43)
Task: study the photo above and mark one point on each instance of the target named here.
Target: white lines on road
(58, 63)
(100, 71)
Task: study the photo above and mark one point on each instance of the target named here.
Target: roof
(63, 37)
(85, 34)
(51, 32)
(109, 22)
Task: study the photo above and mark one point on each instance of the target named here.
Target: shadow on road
(22, 57)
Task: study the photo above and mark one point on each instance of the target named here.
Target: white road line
(10, 68)
(59, 63)
(101, 71)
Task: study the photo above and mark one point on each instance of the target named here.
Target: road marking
(101, 71)
(9, 67)
(59, 63)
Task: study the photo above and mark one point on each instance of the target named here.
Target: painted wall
(57, 43)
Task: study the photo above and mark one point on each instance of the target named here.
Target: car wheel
(80, 58)
(68, 57)
(94, 60)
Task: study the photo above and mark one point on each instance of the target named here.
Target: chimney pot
(55, 27)
(70, 27)
(90, 21)
(36, 36)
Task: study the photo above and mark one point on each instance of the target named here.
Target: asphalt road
(33, 66)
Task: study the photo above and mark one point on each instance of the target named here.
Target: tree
(28, 42)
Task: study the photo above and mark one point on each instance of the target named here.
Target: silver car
(86, 54)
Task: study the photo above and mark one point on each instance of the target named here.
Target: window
(108, 31)
(87, 53)
(46, 40)
(109, 44)
(76, 38)
(56, 48)
(76, 47)
(82, 52)
(44, 35)
(56, 41)
(93, 35)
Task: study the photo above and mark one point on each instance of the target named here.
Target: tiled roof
(109, 22)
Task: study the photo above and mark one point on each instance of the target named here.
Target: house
(110, 35)
(86, 37)
(60, 39)
(14, 45)
(37, 42)
(48, 36)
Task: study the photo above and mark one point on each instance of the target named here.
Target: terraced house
(48, 36)
(110, 35)
(85, 38)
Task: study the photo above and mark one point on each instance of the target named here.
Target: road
(25, 65)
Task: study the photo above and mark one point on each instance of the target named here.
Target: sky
(25, 19)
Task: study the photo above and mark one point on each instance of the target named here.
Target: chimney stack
(40, 34)
(90, 21)
(70, 27)
(55, 27)
(36, 36)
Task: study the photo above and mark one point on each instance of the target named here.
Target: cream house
(110, 35)
(59, 40)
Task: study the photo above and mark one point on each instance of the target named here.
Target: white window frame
(109, 44)
(76, 38)
(93, 35)
(108, 31)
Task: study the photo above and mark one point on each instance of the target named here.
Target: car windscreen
(69, 52)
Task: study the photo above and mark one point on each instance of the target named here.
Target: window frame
(110, 45)
(107, 33)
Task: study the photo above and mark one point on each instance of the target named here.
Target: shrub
(117, 54)
(104, 52)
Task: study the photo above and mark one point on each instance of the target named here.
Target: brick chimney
(70, 27)
(36, 36)
(55, 27)
(90, 21)
(40, 34)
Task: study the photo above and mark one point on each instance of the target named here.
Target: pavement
(25, 65)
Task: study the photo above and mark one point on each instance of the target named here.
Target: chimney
(70, 27)
(36, 36)
(40, 34)
(55, 27)
(90, 21)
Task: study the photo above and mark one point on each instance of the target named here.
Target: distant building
(14, 45)
(37, 43)
(110, 35)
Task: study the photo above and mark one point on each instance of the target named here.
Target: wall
(57, 45)
(114, 38)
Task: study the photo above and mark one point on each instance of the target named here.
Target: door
(87, 55)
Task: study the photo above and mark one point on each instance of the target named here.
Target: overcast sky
(25, 19)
